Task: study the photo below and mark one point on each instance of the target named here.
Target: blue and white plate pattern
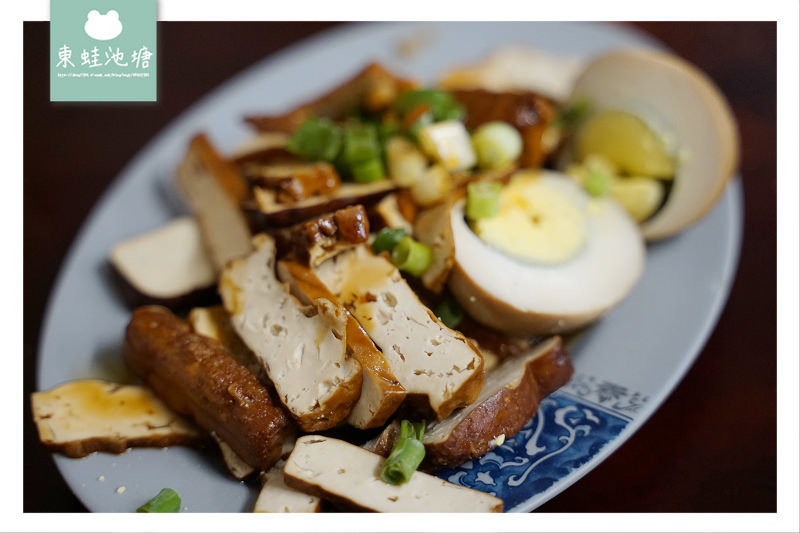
(571, 427)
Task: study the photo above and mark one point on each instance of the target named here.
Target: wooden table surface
(711, 446)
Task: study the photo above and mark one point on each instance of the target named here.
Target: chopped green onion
(387, 238)
(316, 140)
(166, 501)
(575, 112)
(596, 184)
(387, 130)
(361, 143)
(407, 454)
(411, 256)
(362, 152)
(441, 103)
(483, 199)
(496, 144)
(368, 171)
(450, 312)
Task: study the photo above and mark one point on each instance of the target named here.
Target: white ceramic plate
(625, 366)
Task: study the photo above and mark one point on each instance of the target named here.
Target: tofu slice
(215, 189)
(348, 475)
(91, 415)
(438, 366)
(267, 211)
(432, 228)
(314, 241)
(263, 146)
(167, 265)
(509, 398)
(302, 348)
(237, 466)
(381, 392)
(387, 214)
(277, 497)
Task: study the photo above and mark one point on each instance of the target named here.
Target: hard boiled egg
(551, 260)
(677, 104)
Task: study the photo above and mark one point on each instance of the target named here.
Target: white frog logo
(102, 27)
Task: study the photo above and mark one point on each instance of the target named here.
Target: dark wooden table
(712, 445)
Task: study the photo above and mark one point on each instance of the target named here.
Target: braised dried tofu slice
(381, 392)
(215, 189)
(349, 475)
(302, 348)
(316, 240)
(433, 229)
(294, 181)
(434, 363)
(509, 399)
(388, 214)
(167, 265)
(264, 146)
(373, 88)
(267, 210)
(277, 497)
(85, 416)
(237, 466)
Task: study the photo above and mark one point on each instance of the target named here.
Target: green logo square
(103, 51)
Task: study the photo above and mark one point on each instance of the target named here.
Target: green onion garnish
(450, 312)
(483, 199)
(363, 152)
(368, 171)
(387, 130)
(411, 256)
(441, 103)
(316, 140)
(496, 144)
(596, 184)
(166, 501)
(407, 454)
(387, 238)
(360, 143)
(573, 113)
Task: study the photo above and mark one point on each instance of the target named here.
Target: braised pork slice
(215, 189)
(91, 415)
(435, 364)
(381, 392)
(302, 348)
(196, 376)
(350, 476)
